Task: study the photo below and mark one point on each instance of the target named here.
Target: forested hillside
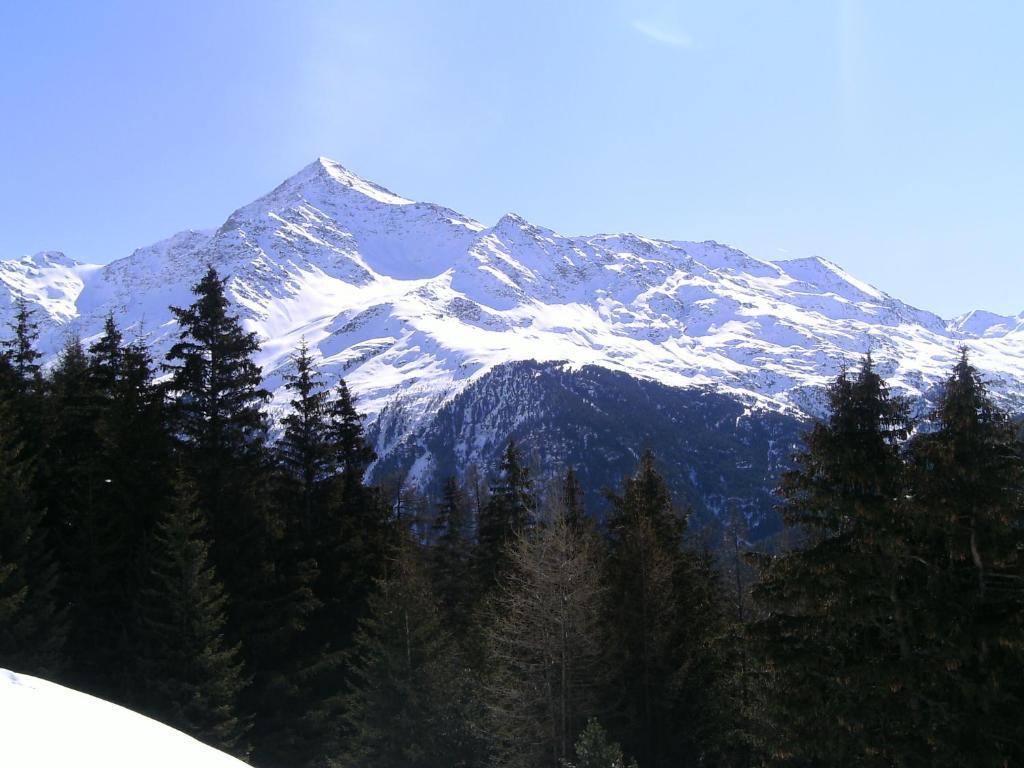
(160, 550)
(726, 457)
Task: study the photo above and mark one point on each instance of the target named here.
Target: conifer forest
(169, 545)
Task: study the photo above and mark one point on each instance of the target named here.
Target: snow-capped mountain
(412, 302)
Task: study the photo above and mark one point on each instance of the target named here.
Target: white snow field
(44, 725)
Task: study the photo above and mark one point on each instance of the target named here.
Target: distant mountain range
(419, 307)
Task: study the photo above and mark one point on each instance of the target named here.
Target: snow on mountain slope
(980, 323)
(411, 302)
(50, 280)
(48, 726)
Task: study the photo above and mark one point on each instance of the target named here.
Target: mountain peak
(982, 324)
(411, 301)
(50, 259)
(322, 181)
(824, 273)
(336, 172)
(512, 218)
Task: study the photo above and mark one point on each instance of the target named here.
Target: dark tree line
(158, 549)
(891, 632)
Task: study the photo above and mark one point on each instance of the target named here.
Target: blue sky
(887, 137)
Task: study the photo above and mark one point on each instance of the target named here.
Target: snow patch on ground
(45, 725)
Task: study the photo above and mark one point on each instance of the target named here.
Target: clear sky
(885, 136)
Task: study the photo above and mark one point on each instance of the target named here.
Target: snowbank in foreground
(44, 725)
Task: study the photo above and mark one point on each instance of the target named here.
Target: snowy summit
(412, 302)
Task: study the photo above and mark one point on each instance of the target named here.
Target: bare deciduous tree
(545, 644)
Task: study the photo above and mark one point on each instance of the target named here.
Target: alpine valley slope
(413, 303)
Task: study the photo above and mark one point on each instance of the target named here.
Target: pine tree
(305, 447)
(134, 440)
(195, 676)
(660, 608)
(287, 694)
(9, 380)
(478, 495)
(107, 460)
(217, 413)
(450, 524)
(17, 521)
(132, 459)
(593, 750)
(837, 634)
(22, 386)
(217, 396)
(345, 538)
(106, 359)
(351, 454)
(572, 500)
(82, 531)
(285, 662)
(22, 348)
(451, 552)
(735, 698)
(406, 679)
(510, 510)
(544, 647)
(968, 544)
(32, 629)
(353, 533)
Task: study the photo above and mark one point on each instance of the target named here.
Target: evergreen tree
(407, 506)
(407, 679)
(735, 698)
(969, 596)
(133, 463)
(290, 698)
(593, 750)
(134, 444)
(478, 495)
(338, 547)
(305, 447)
(353, 533)
(32, 629)
(9, 380)
(217, 414)
(107, 461)
(572, 500)
(73, 496)
(217, 397)
(106, 360)
(22, 386)
(195, 675)
(837, 633)
(510, 510)
(352, 455)
(544, 661)
(451, 553)
(285, 662)
(21, 348)
(661, 609)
